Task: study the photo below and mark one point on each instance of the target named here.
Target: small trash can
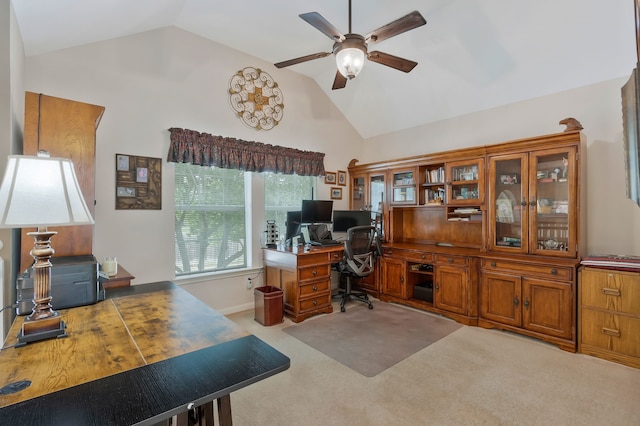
(268, 302)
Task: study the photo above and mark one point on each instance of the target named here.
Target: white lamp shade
(350, 61)
(41, 191)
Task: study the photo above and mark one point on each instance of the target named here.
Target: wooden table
(141, 356)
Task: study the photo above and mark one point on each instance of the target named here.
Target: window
(283, 193)
(210, 220)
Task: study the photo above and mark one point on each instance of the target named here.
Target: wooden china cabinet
(528, 276)
(489, 235)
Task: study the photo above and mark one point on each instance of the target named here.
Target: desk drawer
(317, 302)
(552, 272)
(611, 332)
(336, 256)
(616, 291)
(311, 290)
(447, 259)
(318, 271)
(416, 256)
(307, 259)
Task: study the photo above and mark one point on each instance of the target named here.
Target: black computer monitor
(316, 211)
(294, 219)
(345, 219)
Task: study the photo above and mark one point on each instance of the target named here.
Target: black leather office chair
(361, 249)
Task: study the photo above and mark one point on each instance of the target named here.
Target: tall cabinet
(66, 129)
(528, 276)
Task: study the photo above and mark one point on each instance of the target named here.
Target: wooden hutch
(489, 236)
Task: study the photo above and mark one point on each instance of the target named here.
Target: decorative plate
(504, 206)
(256, 98)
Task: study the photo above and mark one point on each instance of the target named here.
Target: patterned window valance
(189, 146)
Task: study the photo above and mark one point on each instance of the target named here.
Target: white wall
(11, 124)
(170, 78)
(167, 78)
(613, 221)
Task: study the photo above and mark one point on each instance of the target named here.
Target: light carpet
(370, 341)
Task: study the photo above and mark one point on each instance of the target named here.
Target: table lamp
(39, 192)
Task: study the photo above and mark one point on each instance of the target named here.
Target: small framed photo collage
(138, 182)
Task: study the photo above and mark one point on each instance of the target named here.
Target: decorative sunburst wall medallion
(256, 98)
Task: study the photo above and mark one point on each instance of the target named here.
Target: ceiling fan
(350, 49)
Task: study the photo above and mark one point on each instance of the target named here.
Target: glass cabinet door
(466, 182)
(358, 196)
(552, 201)
(507, 209)
(377, 190)
(403, 184)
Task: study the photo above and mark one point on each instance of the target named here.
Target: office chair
(361, 249)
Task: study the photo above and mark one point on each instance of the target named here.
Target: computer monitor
(294, 219)
(316, 211)
(345, 219)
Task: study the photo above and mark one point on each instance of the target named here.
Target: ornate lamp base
(44, 322)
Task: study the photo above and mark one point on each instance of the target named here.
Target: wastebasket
(268, 302)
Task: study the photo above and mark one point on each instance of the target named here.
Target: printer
(74, 282)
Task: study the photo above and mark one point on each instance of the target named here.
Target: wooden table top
(114, 343)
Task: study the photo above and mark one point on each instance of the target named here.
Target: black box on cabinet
(424, 291)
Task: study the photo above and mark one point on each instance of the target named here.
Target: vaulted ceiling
(472, 54)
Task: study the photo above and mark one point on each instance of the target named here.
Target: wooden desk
(139, 357)
(304, 277)
(122, 279)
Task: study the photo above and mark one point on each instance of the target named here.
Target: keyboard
(326, 243)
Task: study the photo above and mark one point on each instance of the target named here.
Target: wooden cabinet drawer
(416, 256)
(616, 291)
(611, 332)
(447, 259)
(313, 259)
(336, 256)
(551, 272)
(310, 290)
(318, 271)
(315, 303)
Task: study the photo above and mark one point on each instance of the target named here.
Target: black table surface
(149, 394)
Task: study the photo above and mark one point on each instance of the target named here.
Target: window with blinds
(283, 193)
(210, 219)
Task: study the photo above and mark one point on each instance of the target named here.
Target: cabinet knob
(526, 302)
(315, 288)
(401, 279)
(554, 272)
(523, 202)
(315, 302)
(450, 260)
(493, 264)
(437, 286)
(314, 273)
(389, 252)
(335, 255)
(423, 256)
(516, 301)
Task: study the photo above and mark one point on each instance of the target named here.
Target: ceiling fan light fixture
(350, 55)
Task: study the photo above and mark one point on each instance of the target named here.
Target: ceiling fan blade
(302, 59)
(324, 26)
(399, 26)
(392, 61)
(339, 82)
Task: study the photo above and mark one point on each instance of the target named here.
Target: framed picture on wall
(330, 177)
(342, 178)
(336, 193)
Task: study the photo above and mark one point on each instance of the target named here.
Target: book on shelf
(612, 260)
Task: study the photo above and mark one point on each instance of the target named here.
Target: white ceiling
(472, 54)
